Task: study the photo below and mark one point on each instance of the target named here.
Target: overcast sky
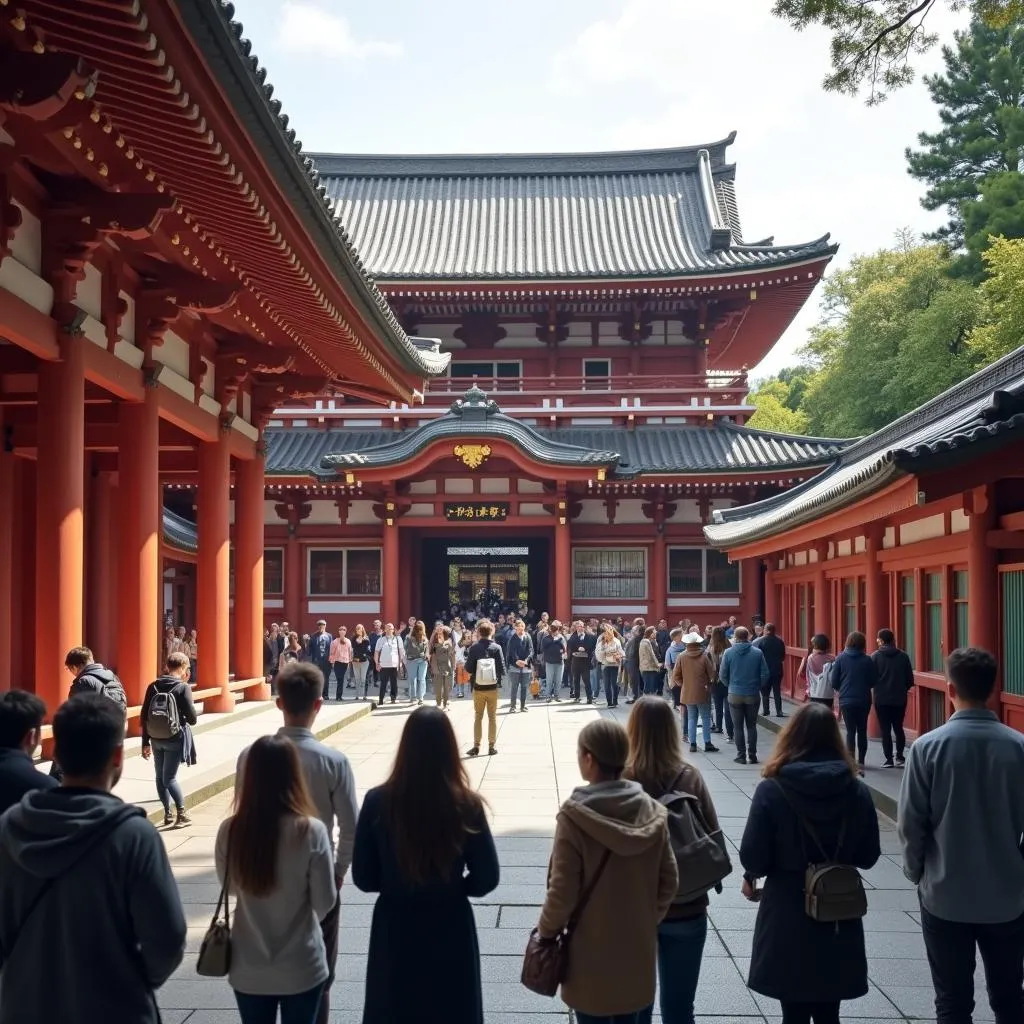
(575, 75)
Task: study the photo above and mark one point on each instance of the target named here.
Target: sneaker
(591, 701)
(393, 700)
(751, 758)
(168, 819)
(901, 762)
(558, 700)
(419, 703)
(472, 752)
(512, 711)
(888, 764)
(628, 701)
(693, 748)
(492, 751)
(740, 759)
(780, 714)
(183, 819)
(710, 748)
(523, 708)
(730, 738)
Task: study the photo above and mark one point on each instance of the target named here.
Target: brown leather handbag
(546, 961)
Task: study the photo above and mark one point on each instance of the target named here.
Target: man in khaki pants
(485, 666)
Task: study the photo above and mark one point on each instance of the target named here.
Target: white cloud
(308, 28)
(664, 73)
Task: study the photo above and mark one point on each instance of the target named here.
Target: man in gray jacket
(961, 818)
(91, 924)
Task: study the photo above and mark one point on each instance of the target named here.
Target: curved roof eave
(298, 179)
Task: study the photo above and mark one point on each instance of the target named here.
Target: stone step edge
(882, 801)
(216, 786)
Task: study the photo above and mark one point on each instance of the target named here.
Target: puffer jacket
(636, 889)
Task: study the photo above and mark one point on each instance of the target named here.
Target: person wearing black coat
(21, 722)
(894, 683)
(854, 676)
(809, 966)
(773, 647)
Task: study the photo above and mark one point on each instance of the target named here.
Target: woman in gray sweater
(275, 857)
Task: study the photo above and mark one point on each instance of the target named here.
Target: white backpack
(819, 684)
(486, 673)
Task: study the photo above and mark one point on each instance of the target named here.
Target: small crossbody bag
(215, 952)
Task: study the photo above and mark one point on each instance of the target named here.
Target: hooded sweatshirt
(629, 900)
(107, 930)
(895, 676)
(674, 650)
(854, 675)
(743, 670)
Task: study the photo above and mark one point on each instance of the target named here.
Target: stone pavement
(534, 770)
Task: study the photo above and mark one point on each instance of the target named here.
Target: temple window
(609, 573)
(273, 571)
(340, 572)
(702, 571)
(906, 637)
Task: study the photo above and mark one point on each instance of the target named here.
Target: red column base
(221, 704)
(261, 691)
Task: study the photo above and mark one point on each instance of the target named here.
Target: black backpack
(163, 717)
(112, 688)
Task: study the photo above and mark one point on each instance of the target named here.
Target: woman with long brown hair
(810, 808)
(656, 761)
(423, 843)
(717, 646)
(417, 653)
(274, 856)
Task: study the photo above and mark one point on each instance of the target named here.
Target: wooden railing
(620, 384)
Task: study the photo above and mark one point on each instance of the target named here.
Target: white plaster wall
(423, 487)
(173, 353)
(889, 538)
(324, 513)
(27, 245)
(127, 328)
(529, 508)
(843, 548)
(458, 485)
(631, 511)
(210, 379)
(270, 517)
(494, 485)
(87, 295)
(959, 521)
(26, 285)
(922, 529)
(530, 487)
(860, 545)
(423, 509)
(360, 513)
(799, 557)
(593, 512)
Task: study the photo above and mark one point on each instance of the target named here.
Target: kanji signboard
(478, 511)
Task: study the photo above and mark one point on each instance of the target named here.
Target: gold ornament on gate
(472, 455)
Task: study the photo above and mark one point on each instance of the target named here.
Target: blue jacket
(854, 675)
(743, 670)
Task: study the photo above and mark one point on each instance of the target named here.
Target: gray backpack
(701, 856)
(163, 720)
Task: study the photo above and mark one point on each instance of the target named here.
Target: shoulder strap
(807, 827)
(581, 903)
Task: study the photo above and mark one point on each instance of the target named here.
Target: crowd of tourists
(638, 853)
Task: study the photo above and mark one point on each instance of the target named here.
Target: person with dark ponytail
(424, 844)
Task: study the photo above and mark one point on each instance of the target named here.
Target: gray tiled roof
(180, 533)
(627, 453)
(649, 213)
(985, 409)
(250, 99)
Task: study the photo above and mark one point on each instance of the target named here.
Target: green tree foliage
(778, 403)
(873, 41)
(972, 164)
(1003, 294)
(896, 331)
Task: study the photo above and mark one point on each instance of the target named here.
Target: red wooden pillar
(389, 573)
(60, 517)
(101, 615)
(294, 582)
(822, 598)
(982, 574)
(213, 570)
(876, 595)
(750, 586)
(771, 591)
(139, 583)
(23, 654)
(562, 593)
(249, 495)
(659, 577)
(8, 497)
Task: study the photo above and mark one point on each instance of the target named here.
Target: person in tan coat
(694, 673)
(610, 820)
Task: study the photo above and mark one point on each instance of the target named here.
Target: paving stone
(874, 1006)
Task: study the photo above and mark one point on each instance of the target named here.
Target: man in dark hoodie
(167, 713)
(91, 924)
(894, 683)
(21, 719)
(772, 646)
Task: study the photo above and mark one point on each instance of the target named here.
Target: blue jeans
(651, 681)
(595, 681)
(680, 948)
(519, 681)
(611, 683)
(691, 721)
(166, 761)
(638, 1017)
(298, 1009)
(553, 674)
(417, 678)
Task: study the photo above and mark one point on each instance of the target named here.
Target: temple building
(600, 311)
(171, 271)
(918, 528)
